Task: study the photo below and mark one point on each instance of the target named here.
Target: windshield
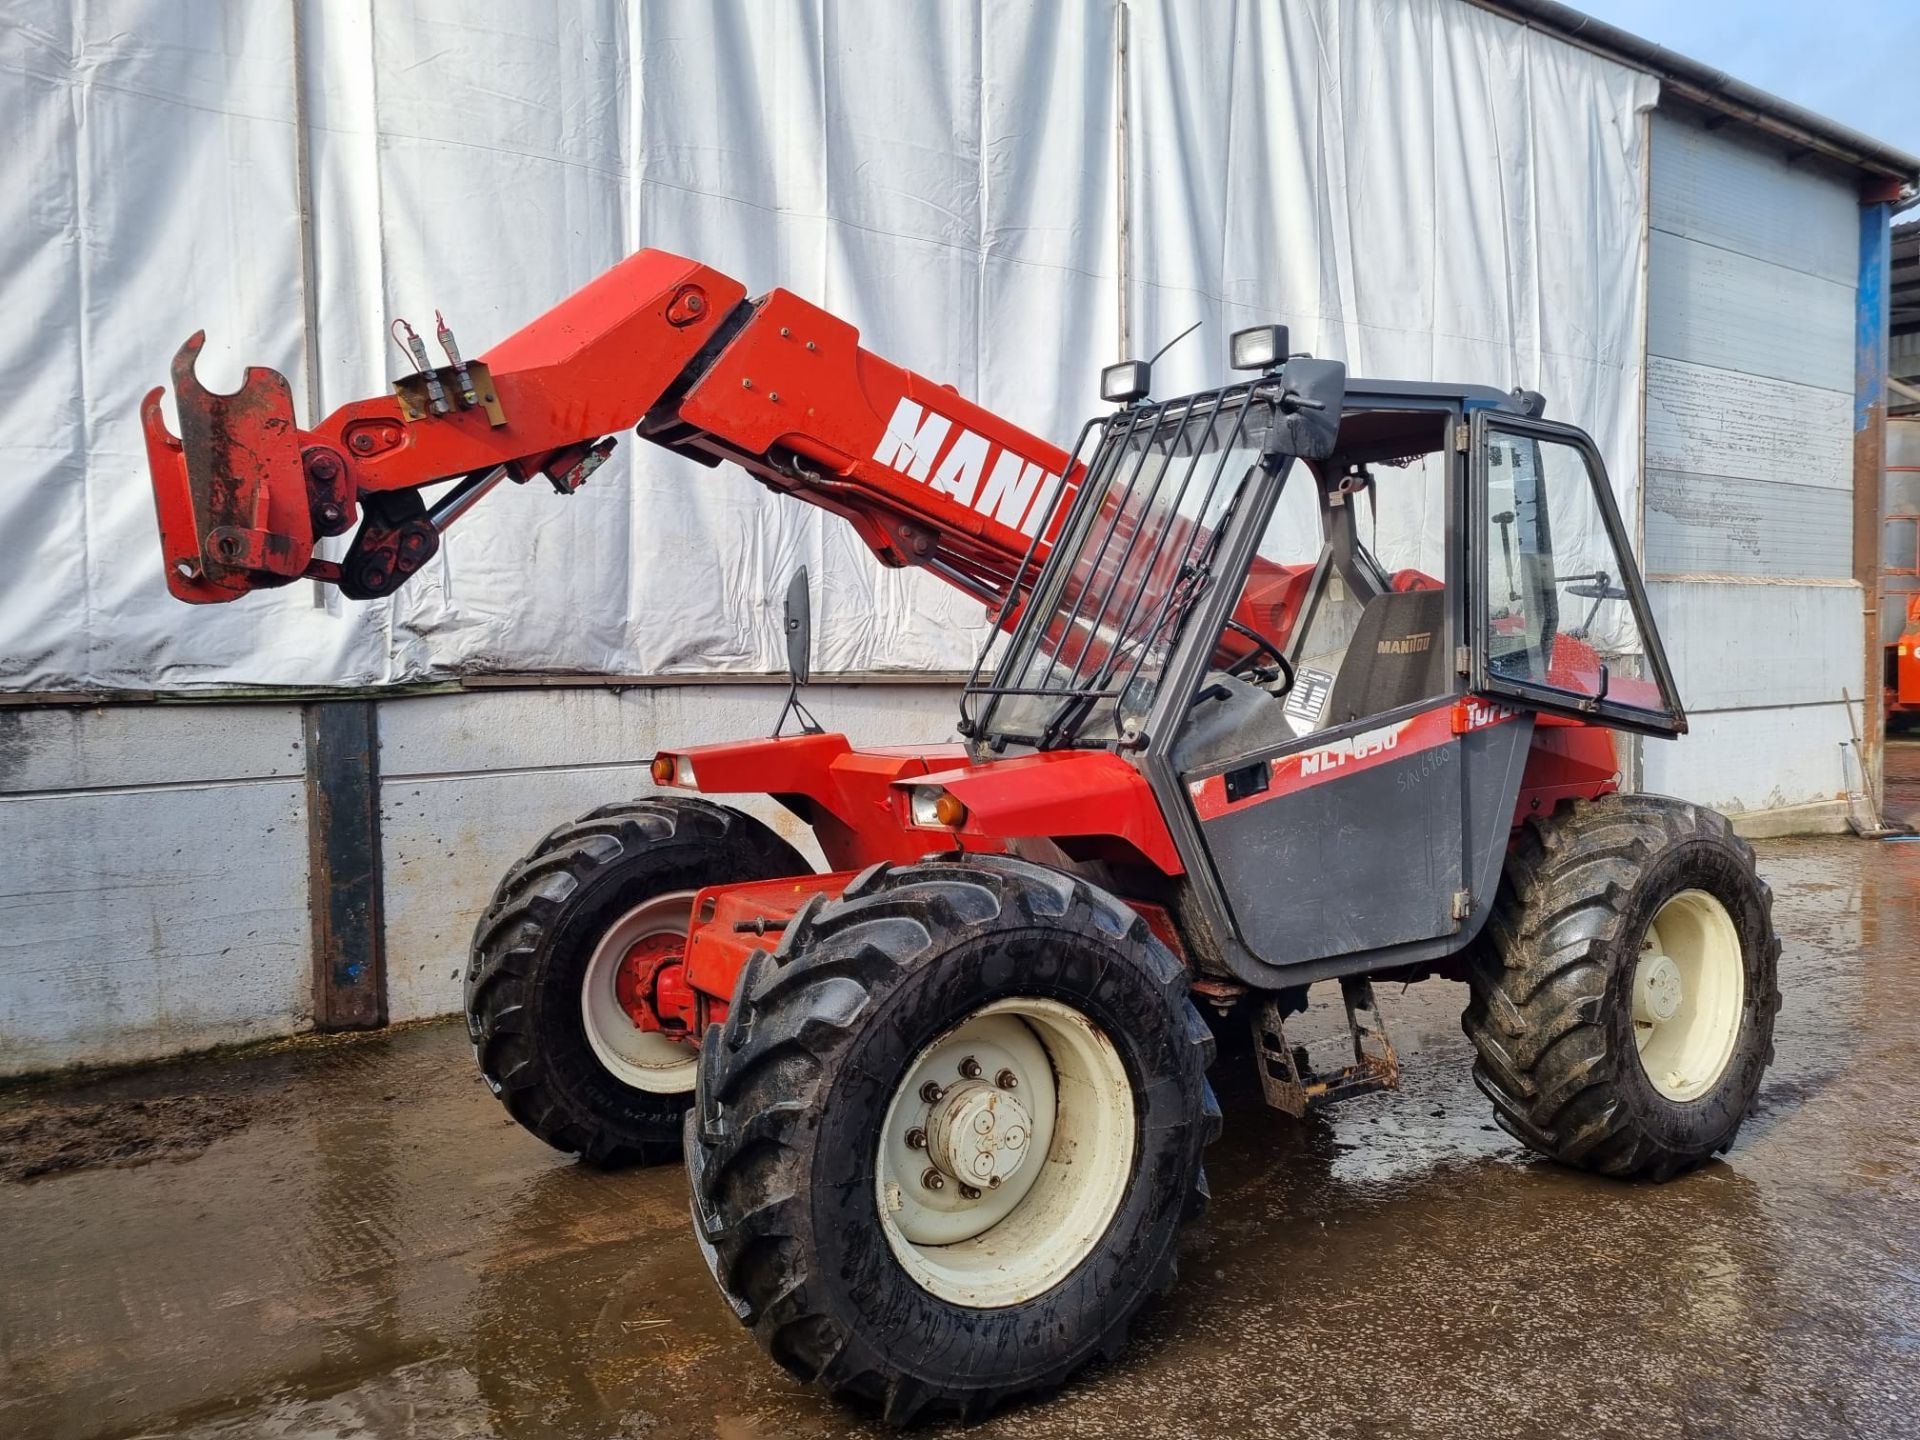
(1086, 658)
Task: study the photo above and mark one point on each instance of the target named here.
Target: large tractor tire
(612, 890)
(944, 1144)
(1623, 1008)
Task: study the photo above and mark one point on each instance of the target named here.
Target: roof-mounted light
(1126, 382)
(1264, 347)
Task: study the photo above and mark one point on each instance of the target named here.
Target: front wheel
(942, 1148)
(1623, 1010)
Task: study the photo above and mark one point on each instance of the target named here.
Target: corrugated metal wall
(1753, 263)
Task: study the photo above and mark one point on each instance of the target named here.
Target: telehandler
(943, 1106)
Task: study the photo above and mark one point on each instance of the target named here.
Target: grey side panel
(1354, 863)
(1359, 873)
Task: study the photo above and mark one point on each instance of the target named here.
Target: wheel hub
(639, 975)
(1658, 991)
(635, 1015)
(977, 1134)
(1005, 1150)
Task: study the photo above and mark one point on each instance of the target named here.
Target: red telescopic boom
(659, 344)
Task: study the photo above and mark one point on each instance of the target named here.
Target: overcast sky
(1855, 61)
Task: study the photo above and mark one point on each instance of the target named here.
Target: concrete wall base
(157, 886)
(1823, 817)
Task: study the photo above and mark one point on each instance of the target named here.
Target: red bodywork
(730, 922)
(674, 349)
(1091, 804)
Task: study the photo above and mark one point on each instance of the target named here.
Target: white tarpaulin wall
(1416, 186)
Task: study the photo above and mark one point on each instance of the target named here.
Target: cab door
(1351, 840)
(1559, 617)
(1359, 815)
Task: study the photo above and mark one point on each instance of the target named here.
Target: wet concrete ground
(366, 1246)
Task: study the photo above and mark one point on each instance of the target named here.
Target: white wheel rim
(1689, 991)
(645, 1059)
(1046, 1157)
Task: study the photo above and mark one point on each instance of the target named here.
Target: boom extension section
(660, 344)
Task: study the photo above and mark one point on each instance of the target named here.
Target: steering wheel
(1592, 585)
(1262, 646)
(1597, 587)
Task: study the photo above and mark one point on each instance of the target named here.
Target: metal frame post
(344, 881)
(1871, 316)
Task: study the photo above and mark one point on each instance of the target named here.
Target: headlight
(932, 808)
(673, 770)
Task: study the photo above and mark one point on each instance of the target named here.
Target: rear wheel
(569, 959)
(943, 1145)
(1623, 1010)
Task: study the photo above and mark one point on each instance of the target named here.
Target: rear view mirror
(799, 628)
(1309, 423)
(799, 632)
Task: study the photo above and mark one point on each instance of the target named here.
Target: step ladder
(1287, 1077)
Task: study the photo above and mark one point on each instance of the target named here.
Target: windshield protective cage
(1129, 560)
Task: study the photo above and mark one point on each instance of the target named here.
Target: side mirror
(799, 628)
(1309, 423)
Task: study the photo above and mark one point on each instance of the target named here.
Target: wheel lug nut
(931, 1093)
(916, 1139)
(993, 1182)
(933, 1179)
(970, 1068)
(1007, 1080)
(967, 1192)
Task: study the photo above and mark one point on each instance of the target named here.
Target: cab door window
(1561, 612)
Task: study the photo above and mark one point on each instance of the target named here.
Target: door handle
(1248, 780)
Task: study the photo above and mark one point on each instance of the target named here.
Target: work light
(1126, 382)
(1261, 348)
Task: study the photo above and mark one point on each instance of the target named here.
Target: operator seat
(1397, 656)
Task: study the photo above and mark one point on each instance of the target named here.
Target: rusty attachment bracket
(415, 392)
(231, 491)
(1287, 1078)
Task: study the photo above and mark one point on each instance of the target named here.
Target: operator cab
(1323, 620)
